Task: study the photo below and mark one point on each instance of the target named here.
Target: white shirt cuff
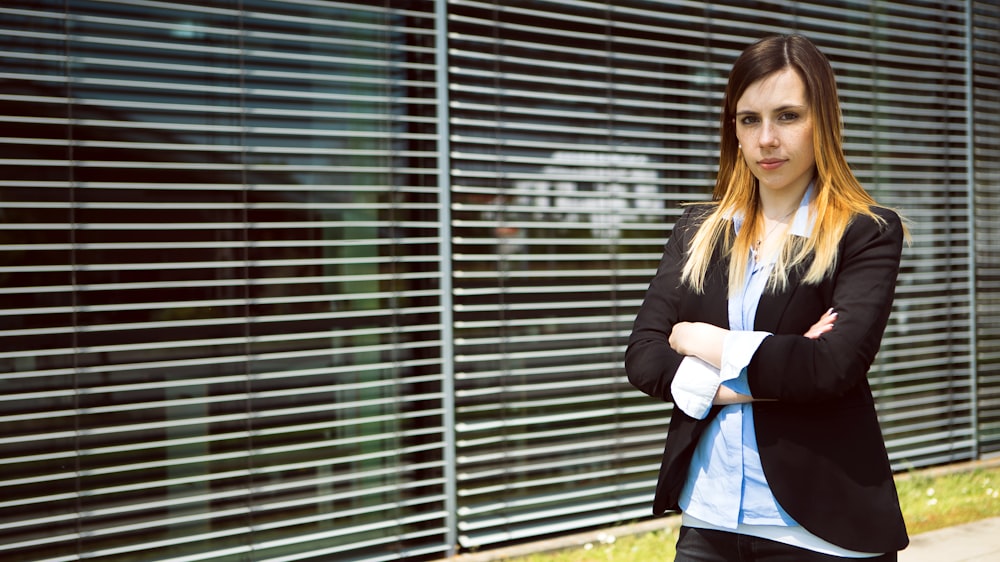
(737, 350)
(694, 386)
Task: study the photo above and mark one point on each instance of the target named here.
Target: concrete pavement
(973, 542)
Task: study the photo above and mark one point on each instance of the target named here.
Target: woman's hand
(824, 325)
(700, 340)
(680, 336)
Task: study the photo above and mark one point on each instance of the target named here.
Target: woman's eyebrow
(779, 109)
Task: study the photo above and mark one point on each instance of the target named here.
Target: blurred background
(295, 280)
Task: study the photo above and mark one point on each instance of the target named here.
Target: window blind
(985, 48)
(221, 303)
(577, 129)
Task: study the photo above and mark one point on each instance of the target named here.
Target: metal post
(970, 103)
(444, 249)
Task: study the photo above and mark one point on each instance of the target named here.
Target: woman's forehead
(779, 89)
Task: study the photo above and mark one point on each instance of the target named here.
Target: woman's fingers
(823, 325)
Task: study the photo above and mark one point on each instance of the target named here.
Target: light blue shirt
(726, 485)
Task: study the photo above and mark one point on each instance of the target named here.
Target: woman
(760, 325)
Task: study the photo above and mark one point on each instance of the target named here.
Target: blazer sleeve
(790, 367)
(650, 363)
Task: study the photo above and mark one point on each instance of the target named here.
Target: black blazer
(820, 443)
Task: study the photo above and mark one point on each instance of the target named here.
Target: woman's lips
(770, 163)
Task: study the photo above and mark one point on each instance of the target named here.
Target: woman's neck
(776, 206)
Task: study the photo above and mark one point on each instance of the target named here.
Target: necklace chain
(777, 223)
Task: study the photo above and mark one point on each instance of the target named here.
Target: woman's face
(774, 126)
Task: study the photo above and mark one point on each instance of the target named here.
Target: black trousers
(704, 545)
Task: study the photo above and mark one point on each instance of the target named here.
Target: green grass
(932, 501)
(648, 547)
(929, 501)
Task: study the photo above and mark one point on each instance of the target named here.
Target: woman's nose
(768, 136)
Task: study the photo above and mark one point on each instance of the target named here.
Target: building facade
(291, 280)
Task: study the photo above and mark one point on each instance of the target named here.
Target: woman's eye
(748, 120)
(788, 116)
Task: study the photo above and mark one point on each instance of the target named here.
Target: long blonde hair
(837, 194)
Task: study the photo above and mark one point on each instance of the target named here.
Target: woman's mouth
(770, 163)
